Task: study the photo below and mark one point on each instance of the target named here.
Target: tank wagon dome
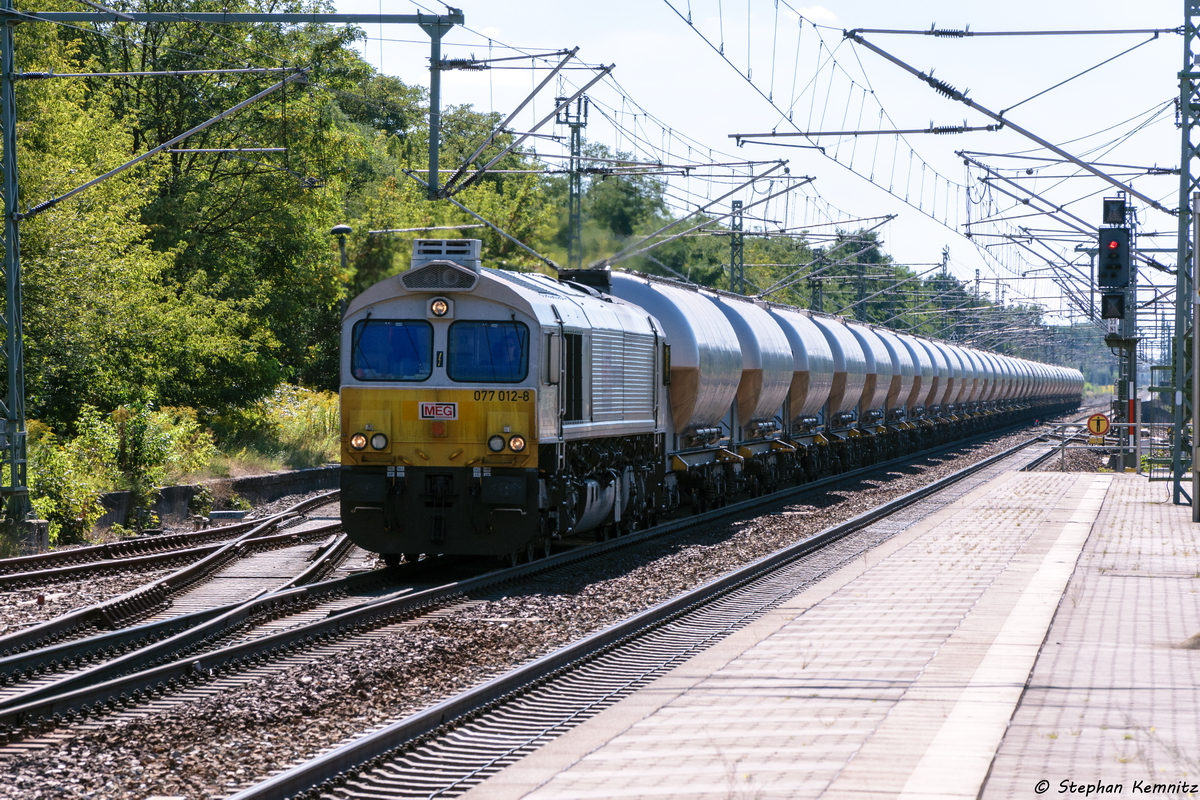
(812, 371)
(952, 379)
(849, 364)
(991, 375)
(979, 371)
(767, 360)
(966, 383)
(1026, 372)
(706, 356)
(1008, 376)
(906, 379)
(879, 368)
(1012, 370)
(1000, 372)
(940, 367)
(925, 372)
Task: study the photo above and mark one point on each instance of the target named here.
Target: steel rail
(119, 611)
(284, 600)
(327, 768)
(113, 554)
(172, 640)
(96, 568)
(17, 721)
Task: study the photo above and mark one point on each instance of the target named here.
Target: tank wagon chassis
(488, 412)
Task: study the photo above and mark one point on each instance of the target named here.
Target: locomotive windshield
(488, 352)
(392, 350)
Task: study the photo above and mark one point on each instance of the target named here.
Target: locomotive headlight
(496, 443)
(379, 441)
(517, 443)
(358, 441)
(439, 307)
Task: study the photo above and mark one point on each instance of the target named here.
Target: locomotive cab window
(391, 350)
(491, 351)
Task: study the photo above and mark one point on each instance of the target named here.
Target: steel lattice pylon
(737, 260)
(14, 490)
(1189, 183)
(576, 120)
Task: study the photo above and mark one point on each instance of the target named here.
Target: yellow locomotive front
(439, 414)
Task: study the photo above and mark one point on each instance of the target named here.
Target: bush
(307, 425)
(135, 448)
(62, 489)
(295, 428)
(139, 448)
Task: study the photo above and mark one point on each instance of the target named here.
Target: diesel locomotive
(491, 412)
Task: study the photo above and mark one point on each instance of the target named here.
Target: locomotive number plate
(440, 411)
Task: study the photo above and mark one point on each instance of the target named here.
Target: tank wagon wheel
(411, 558)
(546, 547)
(392, 560)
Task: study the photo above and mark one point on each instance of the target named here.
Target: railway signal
(1113, 262)
(1114, 211)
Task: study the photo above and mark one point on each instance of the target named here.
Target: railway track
(137, 554)
(251, 541)
(208, 652)
(129, 554)
(70, 650)
(454, 745)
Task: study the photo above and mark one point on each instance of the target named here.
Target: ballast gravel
(211, 747)
(20, 608)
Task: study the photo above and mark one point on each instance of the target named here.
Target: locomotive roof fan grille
(443, 265)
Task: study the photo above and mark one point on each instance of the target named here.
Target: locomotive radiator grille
(439, 276)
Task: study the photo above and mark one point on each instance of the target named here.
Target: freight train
(492, 412)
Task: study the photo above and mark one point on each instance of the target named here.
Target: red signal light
(1113, 244)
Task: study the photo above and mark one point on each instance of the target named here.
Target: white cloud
(818, 14)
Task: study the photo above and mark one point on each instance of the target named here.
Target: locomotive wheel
(392, 560)
(530, 552)
(411, 558)
(546, 547)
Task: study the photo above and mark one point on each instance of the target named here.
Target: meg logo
(440, 411)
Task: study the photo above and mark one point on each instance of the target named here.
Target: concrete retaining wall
(257, 489)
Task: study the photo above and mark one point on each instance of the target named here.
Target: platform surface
(905, 673)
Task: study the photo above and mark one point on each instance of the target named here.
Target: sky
(673, 95)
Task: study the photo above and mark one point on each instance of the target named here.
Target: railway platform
(1032, 638)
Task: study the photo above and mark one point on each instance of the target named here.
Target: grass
(295, 428)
